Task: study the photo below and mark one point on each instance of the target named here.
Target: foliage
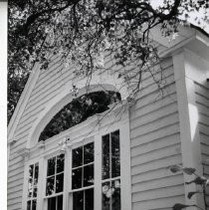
(82, 31)
(201, 181)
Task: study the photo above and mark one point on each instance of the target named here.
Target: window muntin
(111, 196)
(83, 177)
(55, 182)
(32, 186)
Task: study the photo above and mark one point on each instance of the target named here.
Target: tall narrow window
(32, 187)
(54, 182)
(83, 177)
(111, 171)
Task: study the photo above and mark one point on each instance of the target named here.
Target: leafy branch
(201, 181)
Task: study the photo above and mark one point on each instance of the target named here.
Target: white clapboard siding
(202, 101)
(155, 145)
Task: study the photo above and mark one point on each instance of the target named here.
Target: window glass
(115, 154)
(78, 200)
(55, 203)
(51, 166)
(77, 157)
(88, 153)
(88, 175)
(50, 186)
(77, 178)
(60, 163)
(111, 197)
(32, 186)
(78, 110)
(83, 200)
(106, 157)
(83, 176)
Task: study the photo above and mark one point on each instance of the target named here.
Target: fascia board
(22, 102)
(198, 43)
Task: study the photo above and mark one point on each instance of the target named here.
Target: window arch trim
(57, 103)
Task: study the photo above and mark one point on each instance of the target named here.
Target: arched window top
(78, 110)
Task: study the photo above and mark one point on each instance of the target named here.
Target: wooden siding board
(160, 203)
(155, 135)
(152, 175)
(162, 192)
(164, 162)
(154, 125)
(163, 182)
(155, 155)
(154, 115)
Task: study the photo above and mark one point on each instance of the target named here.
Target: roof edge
(22, 102)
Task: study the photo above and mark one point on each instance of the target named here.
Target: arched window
(78, 110)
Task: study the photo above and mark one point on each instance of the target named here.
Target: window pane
(88, 175)
(77, 157)
(34, 205)
(31, 172)
(89, 199)
(78, 200)
(29, 205)
(59, 202)
(36, 174)
(105, 157)
(76, 178)
(35, 192)
(59, 183)
(52, 203)
(106, 194)
(51, 166)
(60, 163)
(88, 153)
(116, 195)
(115, 154)
(30, 188)
(50, 186)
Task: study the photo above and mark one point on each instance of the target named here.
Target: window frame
(110, 123)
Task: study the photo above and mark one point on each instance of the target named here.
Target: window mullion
(110, 155)
(55, 177)
(84, 200)
(82, 170)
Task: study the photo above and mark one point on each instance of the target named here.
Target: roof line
(22, 101)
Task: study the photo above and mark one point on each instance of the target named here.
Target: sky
(192, 15)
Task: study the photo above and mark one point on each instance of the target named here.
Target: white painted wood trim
(23, 101)
(55, 105)
(188, 119)
(98, 171)
(125, 164)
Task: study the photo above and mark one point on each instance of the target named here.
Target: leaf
(199, 181)
(190, 194)
(179, 206)
(189, 171)
(175, 168)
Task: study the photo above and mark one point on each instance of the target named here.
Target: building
(118, 158)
